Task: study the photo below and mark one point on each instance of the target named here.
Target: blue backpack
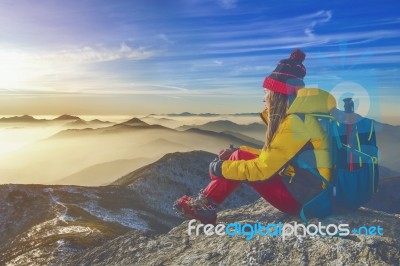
(354, 156)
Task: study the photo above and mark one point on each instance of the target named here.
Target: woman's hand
(226, 153)
(215, 169)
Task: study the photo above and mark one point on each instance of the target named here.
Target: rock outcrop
(178, 248)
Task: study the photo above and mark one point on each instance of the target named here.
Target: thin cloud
(321, 18)
(280, 43)
(263, 35)
(89, 54)
(218, 62)
(174, 88)
(228, 4)
(164, 38)
(373, 23)
(224, 88)
(258, 27)
(249, 69)
(85, 54)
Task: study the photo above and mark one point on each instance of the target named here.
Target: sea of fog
(17, 136)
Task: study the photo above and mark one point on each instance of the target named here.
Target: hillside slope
(103, 173)
(44, 225)
(161, 183)
(178, 248)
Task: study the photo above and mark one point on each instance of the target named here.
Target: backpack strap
(304, 165)
(315, 173)
(333, 134)
(332, 129)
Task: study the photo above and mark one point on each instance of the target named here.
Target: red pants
(272, 190)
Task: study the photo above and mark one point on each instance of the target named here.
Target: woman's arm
(289, 139)
(250, 149)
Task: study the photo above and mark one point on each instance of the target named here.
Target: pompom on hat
(288, 76)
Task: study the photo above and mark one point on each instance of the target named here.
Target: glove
(226, 153)
(215, 169)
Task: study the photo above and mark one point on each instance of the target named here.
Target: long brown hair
(277, 107)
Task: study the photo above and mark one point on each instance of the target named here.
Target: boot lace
(200, 202)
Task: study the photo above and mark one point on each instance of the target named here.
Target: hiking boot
(200, 208)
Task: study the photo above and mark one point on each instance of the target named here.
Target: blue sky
(154, 56)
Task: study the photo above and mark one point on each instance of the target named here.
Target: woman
(292, 132)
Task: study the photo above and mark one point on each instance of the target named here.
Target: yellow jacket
(291, 136)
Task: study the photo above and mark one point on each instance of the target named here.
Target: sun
(13, 70)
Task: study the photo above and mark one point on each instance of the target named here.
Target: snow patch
(48, 190)
(125, 217)
(70, 190)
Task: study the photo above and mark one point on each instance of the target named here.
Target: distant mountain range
(217, 129)
(66, 120)
(132, 124)
(61, 155)
(21, 119)
(254, 130)
(226, 125)
(28, 118)
(388, 140)
(135, 122)
(212, 114)
(256, 142)
(67, 117)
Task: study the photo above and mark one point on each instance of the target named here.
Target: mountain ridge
(103, 173)
(253, 130)
(231, 137)
(130, 125)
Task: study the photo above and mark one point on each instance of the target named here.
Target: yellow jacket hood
(312, 100)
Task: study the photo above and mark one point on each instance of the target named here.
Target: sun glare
(13, 71)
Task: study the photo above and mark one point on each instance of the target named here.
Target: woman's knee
(242, 155)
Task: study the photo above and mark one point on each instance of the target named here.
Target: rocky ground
(178, 248)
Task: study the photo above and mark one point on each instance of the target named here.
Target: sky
(98, 57)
